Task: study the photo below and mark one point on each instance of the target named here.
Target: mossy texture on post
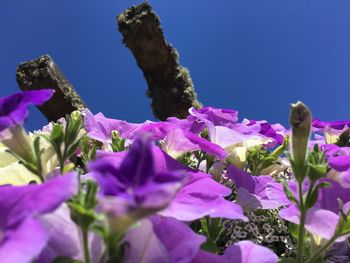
(169, 84)
(44, 73)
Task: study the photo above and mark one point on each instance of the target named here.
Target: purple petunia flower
(14, 108)
(330, 130)
(22, 242)
(13, 112)
(327, 197)
(134, 189)
(183, 124)
(202, 196)
(251, 190)
(100, 128)
(64, 238)
(205, 116)
(162, 239)
(192, 199)
(236, 142)
(339, 161)
(178, 142)
(319, 222)
(275, 131)
(337, 125)
(338, 157)
(208, 117)
(241, 252)
(323, 217)
(339, 253)
(23, 237)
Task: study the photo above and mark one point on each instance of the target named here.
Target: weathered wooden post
(44, 73)
(169, 84)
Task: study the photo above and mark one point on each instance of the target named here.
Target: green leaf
(73, 127)
(313, 195)
(37, 153)
(267, 161)
(85, 144)
(82, 205)
(90, 197)
(312, 198)
(282, 148)
(215, 228)
(81, 216)
(89, 148)
(324, 185)
(293, 230)
(99, 230)
(37, 146)
(46, 137)
(204, 227)
(210, 246)
(289, 193)
(57, 134)
(31, 167)
(344, 222)
(72, 149)
(317, 164)
(317, 171)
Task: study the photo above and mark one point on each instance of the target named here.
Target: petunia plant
(208, 188)
(309, 169)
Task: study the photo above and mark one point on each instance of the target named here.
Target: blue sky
(250, 55)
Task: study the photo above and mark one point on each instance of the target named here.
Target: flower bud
(115, 134)
(76, 115)
(300, 120)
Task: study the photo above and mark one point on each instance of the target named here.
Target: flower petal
(23, 243)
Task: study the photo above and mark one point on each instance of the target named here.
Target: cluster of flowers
(207, 188)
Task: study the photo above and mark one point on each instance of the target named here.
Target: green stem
(220, 232)
(41, 177)
(61, 161)
(301, 237)
(85, 234)
(40, 169)
(318, 254)
(301, 233)
(64, 158)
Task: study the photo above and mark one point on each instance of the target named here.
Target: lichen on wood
(169, 84)
(43, 73)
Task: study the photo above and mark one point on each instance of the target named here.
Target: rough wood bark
(44, 73)
(169, 84)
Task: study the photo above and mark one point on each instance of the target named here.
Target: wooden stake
(44, 73)
(169, 84)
